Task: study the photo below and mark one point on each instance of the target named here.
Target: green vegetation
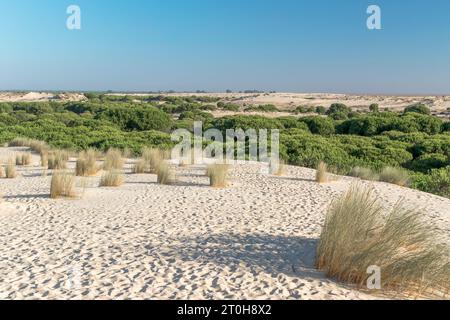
(262, 108)
(414, 141)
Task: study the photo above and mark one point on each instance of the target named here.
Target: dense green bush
(304, 109)
(228, 106)
(377, 123)
(134, 117)
(437, 182)
(418, 108)
(319, 125)
(247, 122)
(339, 111)
(262, 108)
(427, 162)
(292, 123)
(321, 110)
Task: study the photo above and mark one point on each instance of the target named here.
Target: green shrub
(418, 108)
(374, 107)
(339, 110)
(427, 162)
(319, 125)
(262, 108)
(437, 182)
(321, 110)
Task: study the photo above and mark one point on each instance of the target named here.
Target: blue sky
(214, 45)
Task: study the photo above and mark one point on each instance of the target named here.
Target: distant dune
(284, 101)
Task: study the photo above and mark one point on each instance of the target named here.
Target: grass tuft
(62, 185)
(321, 173)
(10, 170)
(277, 168)
(396, 176)
(359, 233)
(218, 175)
(23, 159)
(113, 160)
(35, 145)
(165, 174)
(153, 158)
(140, 166)
(87, 163)
(57, 159)
(111, 178)
(364, 174)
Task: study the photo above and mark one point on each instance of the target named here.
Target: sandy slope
(255, 239)
(39, 97)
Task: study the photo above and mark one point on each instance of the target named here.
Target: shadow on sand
(275, 255)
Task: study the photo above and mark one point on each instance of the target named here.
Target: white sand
(253, 240)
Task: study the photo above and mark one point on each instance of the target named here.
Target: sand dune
(284, 101)
(253, 240)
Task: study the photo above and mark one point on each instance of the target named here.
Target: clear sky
(214, 45)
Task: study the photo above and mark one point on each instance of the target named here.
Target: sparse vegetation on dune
(364, 174)
(57, 159)
(113, 178)
(165, 174)
(62, 185)
(358, 233)
(218, 175)
(10, 170)
(113, 160)
(44, 159)
(277, 168)
(140, 166)
(153, 158)
(87, 164)
(35, 145)
(396, 176)
(322, 175)
(23, 159)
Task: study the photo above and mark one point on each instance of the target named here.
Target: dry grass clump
(358, 233)
(23, 159)
(364, 173)
(277, 168)
(62, 185)
(113, 160)
(87, 163)
(321, 173)
(396, 176)
(35, 145)
(10, 170)
(218, 175)
(44, 159)
(113, 178)
(57, 159)
(19, 142)
(127, 153)
(140, 166)
(165, 174)
(153, 158)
